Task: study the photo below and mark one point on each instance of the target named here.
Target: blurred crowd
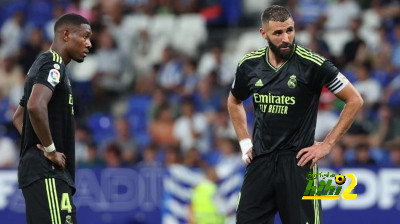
(153, 91)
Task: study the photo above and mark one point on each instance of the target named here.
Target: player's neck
(275, 60)
(60, 52)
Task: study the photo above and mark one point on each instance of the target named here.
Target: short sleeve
(328, 72)
(22, 101)
(240, 88)
(49, 74)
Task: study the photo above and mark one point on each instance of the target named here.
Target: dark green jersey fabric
(49, 70)
(285, 99)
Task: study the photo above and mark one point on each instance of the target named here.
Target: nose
(285, 38)
(88, 43)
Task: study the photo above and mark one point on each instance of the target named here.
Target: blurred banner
(137, 195)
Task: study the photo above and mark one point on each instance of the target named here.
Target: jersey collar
(270, 65)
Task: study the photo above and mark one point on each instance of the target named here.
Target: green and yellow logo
(259, 83)
(292, 83)
(325, 190)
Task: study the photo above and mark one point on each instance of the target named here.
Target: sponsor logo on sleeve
(54, 77)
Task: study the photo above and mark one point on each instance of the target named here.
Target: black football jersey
(285, 99)
(49, 70)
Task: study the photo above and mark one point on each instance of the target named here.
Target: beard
(284, 55)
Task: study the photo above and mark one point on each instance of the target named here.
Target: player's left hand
(312, 153)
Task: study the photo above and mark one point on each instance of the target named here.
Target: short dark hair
(70, 19)
(275, 13)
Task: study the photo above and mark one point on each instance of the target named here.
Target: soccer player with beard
(285, 81)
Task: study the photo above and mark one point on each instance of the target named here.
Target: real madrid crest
(292, 83)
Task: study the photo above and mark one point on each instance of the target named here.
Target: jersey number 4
(65, 203)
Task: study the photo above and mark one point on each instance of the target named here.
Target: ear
(66, 35)
(263, 33)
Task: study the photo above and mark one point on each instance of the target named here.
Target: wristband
(50, 148)
(245, 145)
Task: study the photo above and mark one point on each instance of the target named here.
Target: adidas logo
(259, 83)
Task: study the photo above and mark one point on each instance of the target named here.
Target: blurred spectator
(162, 127)
(172, 156)
(308, 12)
(31, 49)
(383, 127)
(126, 141)
(316, 41)
(337, 155)
(149, 157)
(11, 73)
(190, 78)
(207, 96)
(108, 79)
(370, 89)
(141, 52)
(96, 23)
(394, 152)
(382, 53)
(388, 10)
(112, 156)
(82, 139)
(160, 98)
(396, 47)
(186, 6)
(191, 128)
(164, 7)
(170, 74)
(326, 117)
(222, 125)
(92, 157)
(392, 93)
(58, 10)
(193, 159)
(358, 131)
(203, 208)
(8, 152)
(356, 49)
(363, 155)
(339, 13)
(215, 61)
(13, 32)
(76, 7)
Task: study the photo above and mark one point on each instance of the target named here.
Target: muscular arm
(238, 117)
(353, 103)
(37, 110)
(18, 119)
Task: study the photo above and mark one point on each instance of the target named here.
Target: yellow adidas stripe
(316, 202)
(49, 200)
(57, 58)
(252, 54)
(311, 55)
(258, 52)
(309, 58)
(300, 48)
(56, 199)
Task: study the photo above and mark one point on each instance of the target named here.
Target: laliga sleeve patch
(54, 77)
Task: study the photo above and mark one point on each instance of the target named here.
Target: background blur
(150, 102)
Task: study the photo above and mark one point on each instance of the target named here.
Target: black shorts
(275, 183)
(49, 201)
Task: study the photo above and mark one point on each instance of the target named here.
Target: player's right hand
(57, 158)
(248, 156)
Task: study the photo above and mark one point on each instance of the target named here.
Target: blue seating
(137, 113)
(101, 126)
